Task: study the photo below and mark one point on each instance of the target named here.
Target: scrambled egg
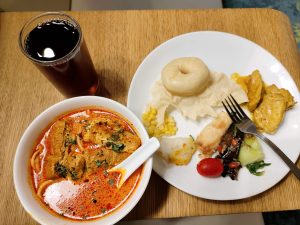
(167, 128)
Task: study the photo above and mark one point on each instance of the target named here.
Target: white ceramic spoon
(135, 160)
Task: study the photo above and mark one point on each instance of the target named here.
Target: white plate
(225, 53)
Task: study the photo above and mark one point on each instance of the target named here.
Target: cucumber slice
(250, 151)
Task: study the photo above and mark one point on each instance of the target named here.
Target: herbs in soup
(69, 163)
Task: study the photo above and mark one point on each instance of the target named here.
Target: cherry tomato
(210, 167)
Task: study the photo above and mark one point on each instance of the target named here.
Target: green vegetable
(111, 182)
(250, 151)
(61, 170)
(115, 137)
(254, 167)
(101, 163)
(74, 175)
(69, 141)
(117, 147)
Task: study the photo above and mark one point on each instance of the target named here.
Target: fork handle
(289, 162)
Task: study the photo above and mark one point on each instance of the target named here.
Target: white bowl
(26, 144)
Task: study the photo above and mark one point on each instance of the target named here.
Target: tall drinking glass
(53, 41)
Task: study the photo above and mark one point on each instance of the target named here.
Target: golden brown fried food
(255, 90)
(283, 93)
(270, 113)
(241, 80)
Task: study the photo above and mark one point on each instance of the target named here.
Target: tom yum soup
(69, 163)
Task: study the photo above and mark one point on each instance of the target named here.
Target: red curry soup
(70, 161)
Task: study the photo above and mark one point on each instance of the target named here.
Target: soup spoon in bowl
(135, 160)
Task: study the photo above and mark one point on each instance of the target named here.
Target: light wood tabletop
(118, 41)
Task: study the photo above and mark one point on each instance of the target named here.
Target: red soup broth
(91, 192)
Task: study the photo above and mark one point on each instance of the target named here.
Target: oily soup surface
(70, 161)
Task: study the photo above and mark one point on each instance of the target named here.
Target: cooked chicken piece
(255, 90)
(211, 135)
(270, 113)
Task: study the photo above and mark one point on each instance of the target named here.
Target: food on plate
(255, 90)
(211, 134)
(250, 151)
(185, 76)
(235, 150)
(281, 93)
(268, 103)
(269, 114)
(210, 167)
(271, 111)
(228, 151)
(256, 167)
(253, 86)
(200, 105)
(252, 156)
(154, 130)
(69, 163)
(177, 150)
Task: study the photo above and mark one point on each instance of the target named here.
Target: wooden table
(118, 42)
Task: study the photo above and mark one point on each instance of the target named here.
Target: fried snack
(178, 151)
(281, 93)
(241, 80)
(255, 90)
(267, 103)
(270, 113)
(210, 137)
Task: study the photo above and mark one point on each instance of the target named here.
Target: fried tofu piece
(114, 158)
(270, 113)
(98, 133)
(255, 90)
(281, 93)
(211, 135)
(56, 138)
(241, 80)
(131, 141)
(56, 149)
(75, 164)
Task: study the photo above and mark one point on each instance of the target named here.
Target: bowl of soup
(62, 162)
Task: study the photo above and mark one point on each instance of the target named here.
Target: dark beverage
(59, 51)
(51, 40)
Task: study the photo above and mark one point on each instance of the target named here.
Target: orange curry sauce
(95, 193)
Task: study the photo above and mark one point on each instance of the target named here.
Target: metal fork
(245, 124)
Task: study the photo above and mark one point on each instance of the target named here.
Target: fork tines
(234, 110)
